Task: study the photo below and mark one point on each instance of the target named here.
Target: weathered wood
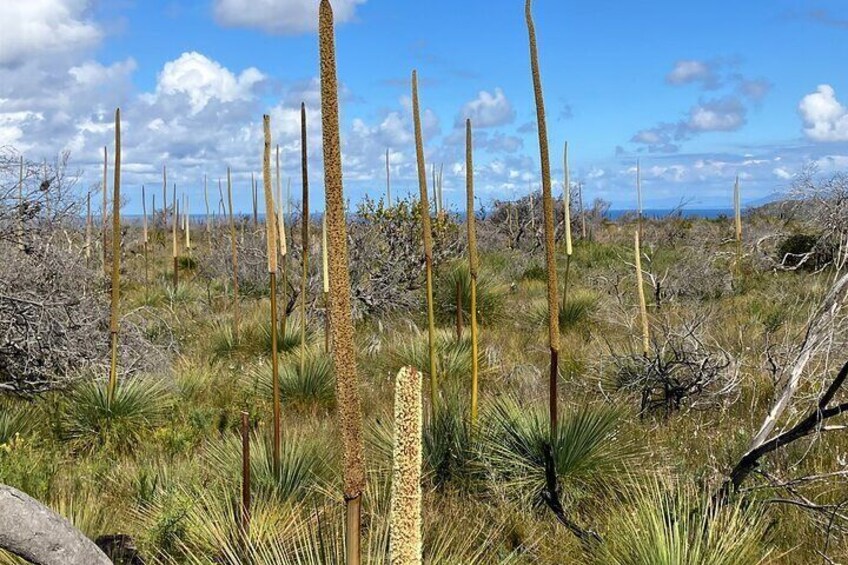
(34, 532)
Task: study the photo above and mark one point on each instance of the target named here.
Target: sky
(699, 92)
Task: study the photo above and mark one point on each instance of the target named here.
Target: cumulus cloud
(693, 71)
(34, 28)
(824, 116)
(724, 114)
(201, 80)
(487, 110)
(280, 17)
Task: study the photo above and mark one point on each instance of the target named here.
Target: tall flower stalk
(341, 322)
(473, 262)
(640, 289)
(428, 242)
(234, 249)
(737, 216)
(271, 242)
(145, 240)
(281, 239)
(639, 218)
(388, 182)
(548, 211)
(21, 212)
(88, 228)
(566, 204)
(405, 510)
(104, 215)
(174, 247)
(116, 261)
(304, 235)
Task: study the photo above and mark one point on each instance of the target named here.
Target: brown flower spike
(548, 211)
(341, 323)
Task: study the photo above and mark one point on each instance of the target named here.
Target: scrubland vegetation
(704, 428)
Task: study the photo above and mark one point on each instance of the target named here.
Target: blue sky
(699, 91)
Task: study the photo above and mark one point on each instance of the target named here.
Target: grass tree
(341, 323)
(548, 212)
(114, 312)
(428, 242)
(473, 262)
(271, 241)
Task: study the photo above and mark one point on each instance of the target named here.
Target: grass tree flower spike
(405, 519)
(548, 211)
(428, 243)
(341, 322)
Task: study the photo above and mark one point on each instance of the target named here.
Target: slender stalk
(145, 241)
(388, 181)
(21, 212)
(428, 243)
(208, 215)
(582, 211)
(88, 229)
(245, 479)
(341, 323)
(737, 214)
(174, 251)
(640, 289)
(547, 205)
(255, 200)
(473, 261)
(441, 192)
(566, 201)
(304, 235)
(281, 234)
(405, 509)
(116, 260)
(284, 252)
(164, 197)
(271, 241)
(234, 248)
(639, 199)
(187, 222)
(104, 216)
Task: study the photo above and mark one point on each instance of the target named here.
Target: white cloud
(32, 28)
(202, 80)
(691, 71)
(825, 118)
(782, 173)
(726, 114)
(280, 17)
(487, 110)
